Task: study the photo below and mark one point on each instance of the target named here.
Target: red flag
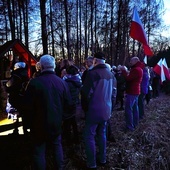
(159, 70)
(166, 69)
(163, 78)
(137, 32)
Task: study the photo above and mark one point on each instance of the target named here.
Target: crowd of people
(47, 103)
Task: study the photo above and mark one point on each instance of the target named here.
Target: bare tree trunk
(77, 24)
(6, 21)
(11, 19)
(62, 32)
(26, 24)
(85, 32)
(43, 26)
(118, 32)
(67, 28)
(80, 31)
(92, 44)
(125, 33)
(111, 34)
(24, 7)
(21, 20)
(52, 29)
(95, 27)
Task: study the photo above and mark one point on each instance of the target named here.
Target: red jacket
(134, 78)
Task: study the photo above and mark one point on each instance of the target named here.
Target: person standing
(156, 84)
(38, 70)
(74, 82)
(15, 87)
(133, 82)
(46, 97)
(88, 65)
(97, 92)
(121, 85)
(144, 91)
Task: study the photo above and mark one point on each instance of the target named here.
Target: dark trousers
(70, 131)
(39, 152)
(141, 105)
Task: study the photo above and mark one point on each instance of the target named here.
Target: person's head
(88, 62)
(99, 58)
(19, 65)
(133, 61)
(47, 63)
(38, 66)
(65, 63)
(72, 70)
(114, 68)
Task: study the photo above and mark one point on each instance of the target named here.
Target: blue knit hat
(19, 65)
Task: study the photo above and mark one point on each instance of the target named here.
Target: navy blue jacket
(74, 82)
(47, 96)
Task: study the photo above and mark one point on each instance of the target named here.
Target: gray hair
(47, 62)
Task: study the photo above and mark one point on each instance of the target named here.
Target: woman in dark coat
(74, 82)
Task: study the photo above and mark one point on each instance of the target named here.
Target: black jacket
(47, 96)
(15, 86)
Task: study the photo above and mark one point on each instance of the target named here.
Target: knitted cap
(19, 65)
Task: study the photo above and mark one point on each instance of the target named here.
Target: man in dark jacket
(97, 91)
(88, 65)
(47, 96)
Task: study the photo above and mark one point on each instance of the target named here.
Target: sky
(166, 17)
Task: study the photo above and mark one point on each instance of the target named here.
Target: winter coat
(134, 78)
(98, 92)
(47, 96)
(74, 82)
(15, 86)
(145, 81)
(121, 84)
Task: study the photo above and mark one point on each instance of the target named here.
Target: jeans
(131, 111)
(39, 150)
(91, 131)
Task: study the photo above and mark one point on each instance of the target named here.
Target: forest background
(69, 29)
